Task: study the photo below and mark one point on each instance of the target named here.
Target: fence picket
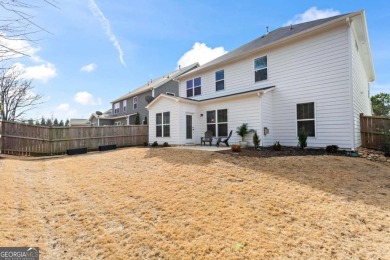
(373, 129)
(22, 139)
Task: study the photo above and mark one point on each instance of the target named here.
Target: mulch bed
(286, 151)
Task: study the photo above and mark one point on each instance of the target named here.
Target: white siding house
(314, 75)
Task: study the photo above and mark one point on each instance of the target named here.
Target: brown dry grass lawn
(141, 203)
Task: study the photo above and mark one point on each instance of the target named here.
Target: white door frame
(190, 140)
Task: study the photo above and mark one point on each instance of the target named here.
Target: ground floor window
(163, 128)
(217, 122)
(306, 118)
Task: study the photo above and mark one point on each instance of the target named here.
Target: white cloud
(107, 28)
(312, 14)
(87, 99)
(200, 53)
(377, 88)
(89, 68)
(63, 111)
(42, 72)
(17, 48)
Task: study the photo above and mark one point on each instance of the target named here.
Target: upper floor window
(124, 104)
(116, 108)
(194, 87)
(306, 118)
(220, 80)
(135, 102)
(261, 69)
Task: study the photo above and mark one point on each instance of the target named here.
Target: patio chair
(226, 141)
(208, 137)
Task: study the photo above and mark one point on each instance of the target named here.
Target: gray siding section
(130, 108)
(171, 87)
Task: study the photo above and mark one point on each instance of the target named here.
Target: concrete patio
(202, 148)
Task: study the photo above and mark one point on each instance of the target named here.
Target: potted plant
(243, 131)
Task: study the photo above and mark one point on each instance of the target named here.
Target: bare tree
(16, 95)
(18, 26)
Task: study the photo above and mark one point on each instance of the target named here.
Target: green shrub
(155, 144)
(302, 139)
(165, 144)
(277, 146)
(332, 148)
(137, 120)
(256, 140)
(242, 130)
(236, 148)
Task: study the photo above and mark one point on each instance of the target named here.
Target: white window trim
(117, 123)
(217, 122)
(163, 124)
(220, 80)
(315, 118)
(135, 102)
(124, 104)
(254, 69)
(116, 108)
(193, 87)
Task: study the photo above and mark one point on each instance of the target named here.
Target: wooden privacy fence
(22, 139)
(374, 130)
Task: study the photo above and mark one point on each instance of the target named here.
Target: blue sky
(98, 50)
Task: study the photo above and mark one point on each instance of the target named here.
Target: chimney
(266, 28)
(291, 27)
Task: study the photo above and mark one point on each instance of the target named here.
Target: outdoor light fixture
(266, 130)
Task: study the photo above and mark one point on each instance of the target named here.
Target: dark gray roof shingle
(267, 39)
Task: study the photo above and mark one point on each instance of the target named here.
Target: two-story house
(125, 108)
(313, 76)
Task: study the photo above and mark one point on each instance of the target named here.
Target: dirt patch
(184, 204)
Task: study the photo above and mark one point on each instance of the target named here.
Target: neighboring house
(125, 108)
(73, 122)
(102, 120)
(313, 75)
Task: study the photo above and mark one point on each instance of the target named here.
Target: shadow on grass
(352, 179)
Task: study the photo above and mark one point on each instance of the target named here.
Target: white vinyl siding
(266, 108)
(360, 88)
(164, 105)
(245, 109)
(313, 69)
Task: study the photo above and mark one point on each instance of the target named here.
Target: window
(170, 94)
(135, 102)
(306, 118)
(261, 69)
(163, 124)
(194, 87)
(124, 105)
(217, 122)
(220, 80)
(116, 108)
(117, 123)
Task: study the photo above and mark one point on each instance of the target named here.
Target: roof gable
(272, 38)
(153, 84)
